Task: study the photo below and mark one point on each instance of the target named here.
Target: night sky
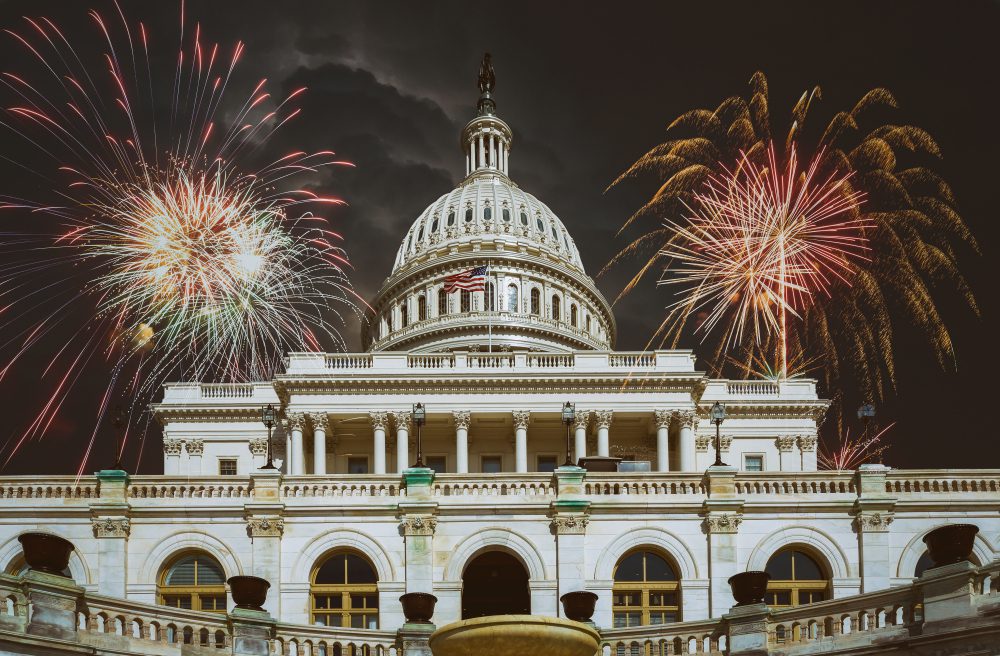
(587, 89)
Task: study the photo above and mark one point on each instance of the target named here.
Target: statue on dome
(487, 80)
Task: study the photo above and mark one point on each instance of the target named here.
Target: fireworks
(165, 251)
(850, 452)
(759, 244)
(913, 232)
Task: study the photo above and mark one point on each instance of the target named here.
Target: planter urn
(749, 587)
(951, 543)
(418, 607)
(44, 552)
(249, 592)
(579, 606)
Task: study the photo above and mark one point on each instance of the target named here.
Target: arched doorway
(495, 583)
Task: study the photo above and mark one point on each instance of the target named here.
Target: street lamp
(568, 417)
(119, 420)
(269, 418)
(718, 414)
(419, 418)
(866, 413)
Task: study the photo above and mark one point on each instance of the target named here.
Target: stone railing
(795, 389)
(931, 481)
(214, 394)
(371, 485)
(226, 391)
(493, 485)
(51, 487)
(644, 483)
(347, 361)
(776, 483)
(303, 640)
(195, 487)
(701, 636)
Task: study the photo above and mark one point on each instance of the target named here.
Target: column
(603, 424)
(462, 418)
(788, 458)
(172, 456)
(111, 528)
(662, 420)
(482, 154)
(807, 446)
(873, 513)
(296, 422)
(472, 156)
(402, 418)
(258, 453)
(379, 421)
(580, 434)
(265, 526)
(320, 422)
(687, 421)
(195, 450)
(521, 418)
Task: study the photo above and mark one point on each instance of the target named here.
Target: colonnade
(400, 420)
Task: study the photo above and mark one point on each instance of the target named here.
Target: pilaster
(723, 514)
(873, 513)
(417, 524)
(111, 526)
(195, 450)
(265, 527)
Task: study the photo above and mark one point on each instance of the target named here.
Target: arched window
(645, 590)
(573, 315)
(539, 224)
(512, 298)
(421, 307)
(506, 215)
(556, 308)
(466, 300)
(588, 323)
(487, 213)
(555, 235)
(420, 234)
(451, 217)
(344, 592)
(490, 297)
(524, 218)
(434, 225)
(403, 318)
(194, 581)
(442, 303)
(468, 214)
(796, 578)
(536, 301)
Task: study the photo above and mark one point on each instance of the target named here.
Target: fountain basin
(515, 635)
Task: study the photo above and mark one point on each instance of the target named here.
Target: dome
(528, 289)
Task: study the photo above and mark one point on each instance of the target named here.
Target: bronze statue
(486, 78)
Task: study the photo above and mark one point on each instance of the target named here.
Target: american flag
(473, 280)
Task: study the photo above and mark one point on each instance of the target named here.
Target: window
(512, 298)
(420, 234)
(539, 224)
(588, 323)
(536, 301)
(344, 592)
(555, 235)
(491, 464)
(796, 578)
(506, 215)
(468, 215)
(466, 300)
(573, 315)
(421, 307)
(442, 303)
(409, 241)
(524, 218)
(645, 590)
(194, 581)
(566, 241)
(487, 213)
(556, 308)
(357, 464)
(438, 463)
(434, 225)
(490, 297)
(227, 466)
(546, 463)
(451, 217)
(753, 462)
(403, 319)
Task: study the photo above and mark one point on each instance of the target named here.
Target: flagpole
(489, 314)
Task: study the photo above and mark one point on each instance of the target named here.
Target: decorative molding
(265, 527)
(604, 418)
(195, 447)
(581, 420)
(521, 418)
(320, 421)
(403, 419)
(296, 420)
(379, 419)
(570, 524)
(258, 446)
(725, 442)
(418, 525)
(112, 527)
(874, 522)
(785, 442)
(462, 418)
(662, 418)
(701, 443)
(723, 523)
(172, 447)
(807, 443)
(742, 628)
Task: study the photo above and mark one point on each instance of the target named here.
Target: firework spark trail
(185, 260)
(851, 452)
(759, 244)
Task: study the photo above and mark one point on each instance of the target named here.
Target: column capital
(258, 446)
(785, 442)
(379, 419)
(403, 418)
(111, 527)
(462, 418)
(521, 418)
(172, 447)
(723, 523)
(195, 447)
(604, 418)
(265, 527)
(582, 419)
(688, 418)
(320, 421)
(807, 443)
(574, 524)
(725, 441)
(418, 525)
(873, 521)
(662, 418)
(296, 420)
(701, 443)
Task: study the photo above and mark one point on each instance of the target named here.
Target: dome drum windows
(536, 301)
(468, 214)
(539, 224)
(451, 216)
(435, 224)
(487, 213)
(505, 214)
(512, 305)
(194, 581)
(556, 308)
(524, 217)
(422, 307)
(344, 592)
(645, 591)
(465, 297)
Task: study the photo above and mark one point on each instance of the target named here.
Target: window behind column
(796, 578)
(466, 300)
(344, 592)
(421, 307)
(194, 581)
(645, 590)
(442, 302)
(536, 301)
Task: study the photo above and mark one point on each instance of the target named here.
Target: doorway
(495, 583)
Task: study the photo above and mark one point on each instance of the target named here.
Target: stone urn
(45, 552)
(951, 544)
(515, 635)
(418, 607)
(249, 592)
(579, 606)
(749, 587)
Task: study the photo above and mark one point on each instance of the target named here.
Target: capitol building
(516, 499)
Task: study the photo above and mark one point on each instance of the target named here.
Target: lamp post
(269, 418)
(718, 414)
(419, 417)
(568, 417)
(119, 421)
(866, 413)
